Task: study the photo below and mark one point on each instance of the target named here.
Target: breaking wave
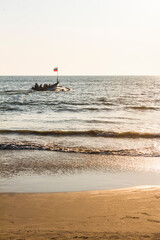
(89, 133)
(24, 145)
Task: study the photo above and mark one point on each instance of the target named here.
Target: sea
(104, 133)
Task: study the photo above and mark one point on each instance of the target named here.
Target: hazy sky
(81, 37)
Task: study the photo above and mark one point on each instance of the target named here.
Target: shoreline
(125, 189)
(127, 213)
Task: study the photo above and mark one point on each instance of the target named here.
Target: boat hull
(55, 89)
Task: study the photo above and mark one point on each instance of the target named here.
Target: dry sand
(132, 213)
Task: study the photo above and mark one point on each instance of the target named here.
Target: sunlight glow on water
(106, 131)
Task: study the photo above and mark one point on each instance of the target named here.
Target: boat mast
(57, 75)
(56, 70)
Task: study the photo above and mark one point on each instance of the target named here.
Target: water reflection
(57, 163)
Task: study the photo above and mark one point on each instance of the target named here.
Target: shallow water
(31, 171)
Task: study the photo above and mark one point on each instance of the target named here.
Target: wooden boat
(48, 87)
(45, 87)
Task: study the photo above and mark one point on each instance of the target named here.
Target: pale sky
(81, 37)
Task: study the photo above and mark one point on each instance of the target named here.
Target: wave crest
(89, 133)
(143, 108)
(148, 152)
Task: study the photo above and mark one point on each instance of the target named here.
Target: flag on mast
(56, 70)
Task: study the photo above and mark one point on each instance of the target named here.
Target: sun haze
(81, 37)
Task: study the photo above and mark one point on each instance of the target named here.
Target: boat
(45, 87)
(50, 87)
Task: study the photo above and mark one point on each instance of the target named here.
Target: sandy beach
(132, 213)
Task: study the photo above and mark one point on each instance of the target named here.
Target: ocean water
(103, 133)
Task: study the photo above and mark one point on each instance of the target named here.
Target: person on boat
(36, 86)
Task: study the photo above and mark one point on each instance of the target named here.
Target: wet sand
(132, 213)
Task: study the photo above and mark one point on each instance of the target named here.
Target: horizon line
(35, 75)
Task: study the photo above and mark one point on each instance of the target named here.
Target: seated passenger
(36, 86)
